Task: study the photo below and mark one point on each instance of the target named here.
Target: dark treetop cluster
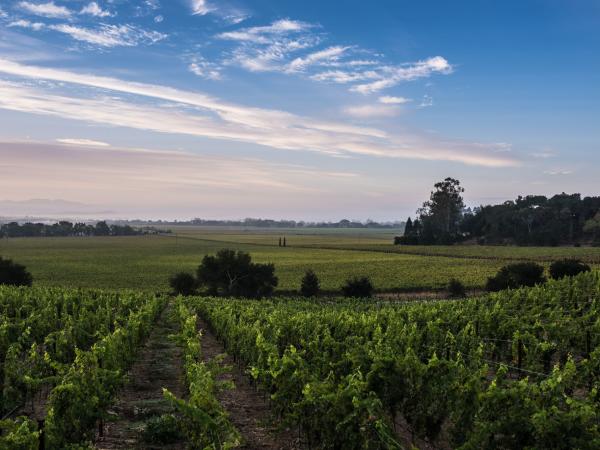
(564, 219)
(65, 228)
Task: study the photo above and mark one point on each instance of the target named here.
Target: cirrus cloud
(49, 9)
(93, 9)
(213, 118)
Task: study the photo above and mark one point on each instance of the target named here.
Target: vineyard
(520, 369)
(64, 354)
(515, 369)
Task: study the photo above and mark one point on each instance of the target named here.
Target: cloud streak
(372, 111)
(164, 183)
(93, 9)
(213, 118)
(328, 55)
(392, 76)
(22, 23)
(264, 34)
(104, 35)
(200, 7)
(110, 35)
(82, 142)
(388, 100)
(204, 69)
(291, 47)
(49, 9)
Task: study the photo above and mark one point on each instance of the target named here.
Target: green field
(382, 241)
(145, 262)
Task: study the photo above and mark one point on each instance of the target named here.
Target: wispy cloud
(558, 172)
(200, 7)
(204, 69)
(216, 119)
(372, 111)
(345, 77)
(292, 47)
(82, 142)
(93, 9)
(49, 9)
(110, 35)
(223, 11)
(327, 55)
(270, 47)
(139, 180)
(389, 100)
(22, 23)
(391, 76)
(3, 14)
(142, 8)
(152, 4)
(426, 101)
(264, 34)
(235, 17)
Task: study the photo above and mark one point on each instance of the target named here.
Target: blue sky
(287, 109)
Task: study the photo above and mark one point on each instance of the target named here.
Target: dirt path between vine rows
(247, 408)
(159, 365)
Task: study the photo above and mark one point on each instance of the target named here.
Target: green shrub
(14, 274)
(456, 289)
(231, 273)
(516, 275)
(567, 268)
(358, 287)
(183, 283)
(310, 285)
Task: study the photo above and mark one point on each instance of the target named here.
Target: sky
(312, 110)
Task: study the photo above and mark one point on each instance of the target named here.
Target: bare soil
(160, 365)
(247, 407)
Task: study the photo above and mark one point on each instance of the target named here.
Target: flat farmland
(145, 262)
(381, 240)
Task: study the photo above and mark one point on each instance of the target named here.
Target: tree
(441, 215)
(592, 227)
(231, 273)
(310, 285)
(102, 229)
(358, 287)
(408, 228)
(535, 220)
(567, 268)
(14, 274)
(183, 283)
(516, 275)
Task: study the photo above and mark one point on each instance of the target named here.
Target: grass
(146, 262)
(381, 240)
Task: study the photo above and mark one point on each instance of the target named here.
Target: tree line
(270, 223)
(65, 228)
(564, 219)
